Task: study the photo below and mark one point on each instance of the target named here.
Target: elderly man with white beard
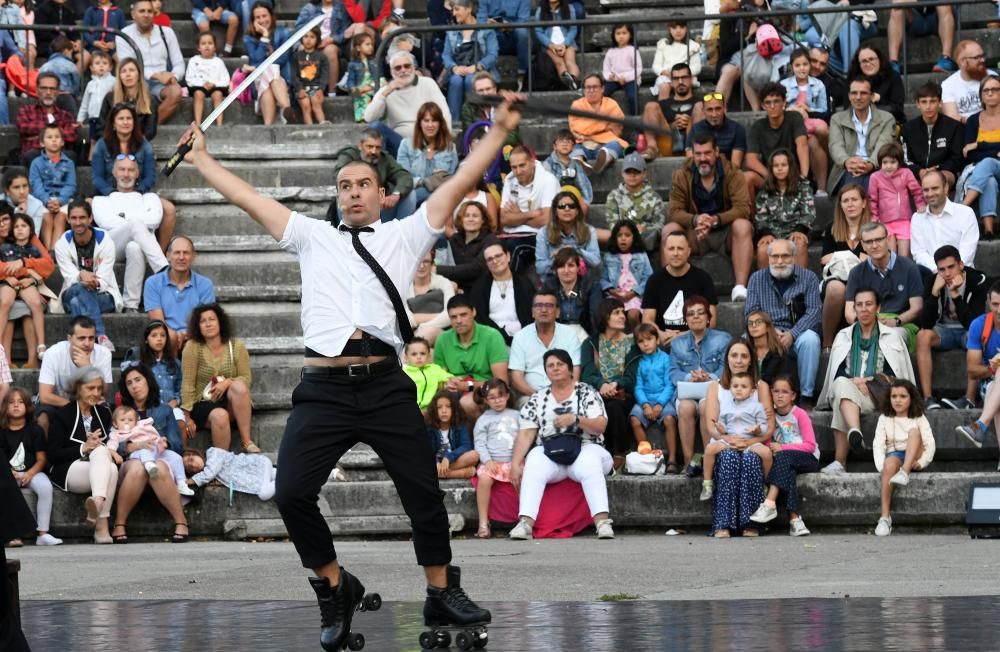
(790, 295)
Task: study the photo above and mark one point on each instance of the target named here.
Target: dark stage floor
(870, 624)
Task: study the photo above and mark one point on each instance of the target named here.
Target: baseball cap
(634, 161)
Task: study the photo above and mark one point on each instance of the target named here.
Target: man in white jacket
(130, 218)
(860, 352)
(86, 259)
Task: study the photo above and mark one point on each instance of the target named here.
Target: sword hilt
(178, 156)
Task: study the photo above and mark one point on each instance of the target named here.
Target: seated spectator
(428, 376)
(564, 407)
(625, 270)
(501, 299)
(79, 462)
(887, 85)
(933, 141)
(836, 89)
(23, 444)
(916, 21)
(362, 73)
(65, 358)
(654, 397)
(206, 12)
(140, 391)
(208, 401)
(795, 452)
(483, 83)
(130, 88)
(841, 251)
(856, 137)
(896, 280)
(678, 113)
(670, 287)
(709, 203)
(466, 53)
(32, 118)
(860, 352)
(622, 69)
(32, 264)
(557, 42)
(430, 156)
(131, 217)
(569, 229)
(525, 206)
(608, 362)
(450, 438)
(807, 96)
(942, 222)
(511, 40)
(86, 258)
(676, 47)
(493, 436)
(52, 180)
(486, 194)
(19, 311)
(598, 142)
(636, 200)
(528, 373)
(779, 129)
(60, 63)
(730, 136)
(903, 444)
(400, 200)
(844, 45)
(786, 209)
(393, 110)
(207, 77)
(789, 294)
(172, 293)
(982, 361)
(336, 31)
(102, 14)
(260, 39)
(569, 171)
(893, 189)
(696, 356)
(162, 61)
(960, 92)
(470, 351)
(474, 231)
(157, 353)
(18, 195)
(956, 296)
(578, 294)
(982, 148)
(426, 300)
(773, 358)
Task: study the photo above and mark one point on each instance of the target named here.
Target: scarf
(870, 346)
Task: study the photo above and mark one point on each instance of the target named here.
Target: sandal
(180, 538)
(672, 468)
(251, 447)
(751, 533)
(120, 538)
(484, 531)
(721, 534)
(15, 543)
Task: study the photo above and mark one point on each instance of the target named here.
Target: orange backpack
(19, 78)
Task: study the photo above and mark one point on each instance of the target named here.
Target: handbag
(688, 391)
(878, 389)
(840, 265)
(434, 181)
(643, 464)
(563, 447)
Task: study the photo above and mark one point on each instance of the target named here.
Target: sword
(184, 148)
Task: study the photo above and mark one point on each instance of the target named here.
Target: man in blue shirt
(171, 294)
(982, 361)
(730, 136)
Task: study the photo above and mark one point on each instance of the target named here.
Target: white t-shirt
(111, 212)
(965, 94)
(503, 311)
(534, 196)
(58, 368)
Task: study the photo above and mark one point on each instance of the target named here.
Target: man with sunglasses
(393, 110)
(960, 91)
(730, 136)
(678, 112)
(32, 118)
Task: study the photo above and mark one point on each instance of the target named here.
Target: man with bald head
(176, 290)
(960, 91)
(943, 222)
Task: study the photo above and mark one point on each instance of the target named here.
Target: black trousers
(618, 439)
(331, 414)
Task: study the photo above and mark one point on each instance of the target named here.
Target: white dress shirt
(340, 293)
(956, 226)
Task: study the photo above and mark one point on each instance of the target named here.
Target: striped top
(198, 365)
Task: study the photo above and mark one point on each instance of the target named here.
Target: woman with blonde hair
(568, 228)
(131, 88)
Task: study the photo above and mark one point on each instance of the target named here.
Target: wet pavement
(873, 624)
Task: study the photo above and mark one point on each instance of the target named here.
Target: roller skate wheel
(464, 640)
(482, 639)
(355, 641)
(372, 602)
(443, 639)
(427, 641)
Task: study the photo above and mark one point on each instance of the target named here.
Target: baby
(245, 472)
(128, 427)
(740, 415)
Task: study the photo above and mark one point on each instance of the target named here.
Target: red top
(161, 19)
(357, 12)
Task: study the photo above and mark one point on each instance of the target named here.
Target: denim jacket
(815, 94)
(416, 163)
(575, 171)
(63, 67)
(50, 179)
(257, 51)
(169, 381)
(686, 356)
(356, 72)
(545, 253)
(639, 265)
(340, 20)
(487, 49)
(165, 424)
(459, 440)
(104, 161)
(544, 34)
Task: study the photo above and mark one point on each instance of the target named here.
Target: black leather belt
(352, 370)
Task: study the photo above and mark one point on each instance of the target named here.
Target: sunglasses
(565, 207)
(125, 157)
(713, 96)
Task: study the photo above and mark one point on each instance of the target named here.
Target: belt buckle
(355, 370)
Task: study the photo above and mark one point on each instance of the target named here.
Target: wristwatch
(899, 322)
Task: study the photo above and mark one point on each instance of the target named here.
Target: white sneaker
(183, 489)
(821, 194)
(902, 478)
(739, 293)
(604, 530)
(152, 470)
(884, 527)
(834, 468)
(521, 531)
(797, 528)
(47, 540)
(764, 514)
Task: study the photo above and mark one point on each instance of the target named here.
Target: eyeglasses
(756, 322)
(696, 313)
(591, 87)
(975, 57)
(403, 66)
(543, 306)
(873, 241)
(991, 90)
(868, 60)
(125, 157)
(565, 207)
(713, 96)
(493, 259)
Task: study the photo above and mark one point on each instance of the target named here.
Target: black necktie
(397, 302)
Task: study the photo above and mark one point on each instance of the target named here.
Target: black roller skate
(337, 606)
(451, 609)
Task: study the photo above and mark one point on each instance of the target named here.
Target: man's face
(972, 61)
(180, 255)
(126, 173)
(774, 106)
(484, 87)
(995, 305)
(935, 191)
(462, 319)
(48, 90)
(497, 260)
(715, 112)
(818, 62)
(83, 338)
(780, 259)
(860, 95)
(371, 150)
(676, 251)
(523, 168)
(545, 309)
(929, 108)
(402, 69)
(705, 157)
(359, 195)
(876, 244)
(680, 81)
(79, 221)
(142, 14)
(866, 307)
(949, 268)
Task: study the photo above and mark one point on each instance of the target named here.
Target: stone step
(282, 8)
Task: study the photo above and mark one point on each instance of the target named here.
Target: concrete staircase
(260, 288)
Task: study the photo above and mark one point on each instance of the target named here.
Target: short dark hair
(603, 313)
(705, 138)
(101, 54)
(459, 301)
(61, 43)
(80, 203)
(417, 340)
(545, 291)
(860, 78)
(194, 327)
(49, 75)
(682, 65)
(791, 379)
(878, 299)
(562, 355)
(697, 300)
(645, 329)
(152, 399)
(83, 321)
(930, 89)
(947, 251)
(361, 163)
(995, 288)
(50, 128)
(891, 150)
(565, 255)
(12, 174)
(564, 134)
(773, 89)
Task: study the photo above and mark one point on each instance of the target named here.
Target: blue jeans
(985, 179)
(4, 111)
(458, 86)
(614, 148)
(407, 206)
(78, 300)
(847, 43)
(516, 42)
(390, 137)
(807, 347)
(631, 93)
